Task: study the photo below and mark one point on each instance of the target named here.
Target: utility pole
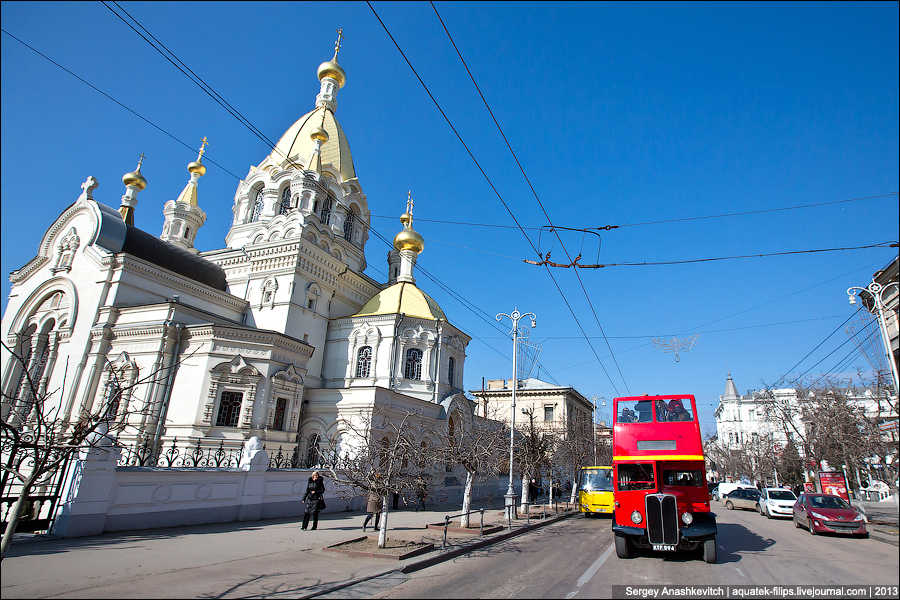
(510, 498)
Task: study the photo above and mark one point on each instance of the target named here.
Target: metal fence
(38, 508)
(196, 455)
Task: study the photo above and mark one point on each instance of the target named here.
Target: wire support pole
(876, 290)
(515, 316)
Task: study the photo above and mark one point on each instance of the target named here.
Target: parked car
(741, 498)
(713, 489)
(776, 502)
(726, 487)
(824, 513)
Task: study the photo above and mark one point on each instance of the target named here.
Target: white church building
(279, 334)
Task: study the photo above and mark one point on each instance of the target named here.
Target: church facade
(278, 335)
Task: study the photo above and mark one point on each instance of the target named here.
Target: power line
(672, 220)
(172, 58)
(843, 362)
(576, 265)
(817, 346)
(636, 337)
(832, 352)
(206, 157)
(533, 192)
(756, 212)
(493, 188)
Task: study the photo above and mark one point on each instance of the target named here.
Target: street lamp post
(876, 290)
(510, 497)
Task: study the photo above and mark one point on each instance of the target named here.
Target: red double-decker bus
(659, 485)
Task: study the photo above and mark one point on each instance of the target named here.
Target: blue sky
(620, 114)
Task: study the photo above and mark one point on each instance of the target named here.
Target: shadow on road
(735, 539)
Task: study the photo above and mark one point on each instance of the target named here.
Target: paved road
(575, 559)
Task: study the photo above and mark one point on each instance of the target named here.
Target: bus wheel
(623, 547)
(709, 550)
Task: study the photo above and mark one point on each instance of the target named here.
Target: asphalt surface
(575, 559)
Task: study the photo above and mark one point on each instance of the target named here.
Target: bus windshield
(596, 480)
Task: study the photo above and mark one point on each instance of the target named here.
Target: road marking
(741, 573)
(591, 571)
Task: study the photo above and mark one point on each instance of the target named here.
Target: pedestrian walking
(314, 499)
(373, 508)
(421, 492)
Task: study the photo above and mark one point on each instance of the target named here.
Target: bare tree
(382, 454)
(533, 447)
(479, 450)
(38, 440)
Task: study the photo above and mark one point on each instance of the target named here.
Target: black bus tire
(709, 550)
(623, 547)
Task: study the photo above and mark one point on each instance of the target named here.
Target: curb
(444, 556)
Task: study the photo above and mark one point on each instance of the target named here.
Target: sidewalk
(883, 520)
(242, 559)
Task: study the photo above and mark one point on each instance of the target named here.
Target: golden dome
(332, 69)
(135, 178)
(402, 298)
(197, 167)
(319, 135)
(409, 239)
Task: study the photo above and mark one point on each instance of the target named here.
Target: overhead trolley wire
(533, 192)
(493, 188)
(817, 346)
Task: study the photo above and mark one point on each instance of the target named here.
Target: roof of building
(297, 144)
(168, 256)
(730, 388)
(402, 298)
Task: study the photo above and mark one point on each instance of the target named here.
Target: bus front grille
(662, 519)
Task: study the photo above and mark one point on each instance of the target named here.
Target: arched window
(348, 226)
(285, 204)
(257, 205)
(451, 367)
(413, 367)
(25, 353)
(364, 361)
(327, 205)
(312, 450)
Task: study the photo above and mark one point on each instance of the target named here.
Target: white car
(776, 502)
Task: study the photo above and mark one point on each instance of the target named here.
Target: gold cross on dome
(409, 202)
(337, 44)
(203, 145)
(140, 161)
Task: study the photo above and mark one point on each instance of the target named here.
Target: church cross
(140, 161)
(89, 184)
(337, 44)
(203, 145)
(409, 202)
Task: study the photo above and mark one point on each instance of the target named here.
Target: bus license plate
(664, 547)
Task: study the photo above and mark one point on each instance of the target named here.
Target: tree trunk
(467, 499)
(525, 492)
(551, 492)
(14, 516)
(382, 531)
(574, 486)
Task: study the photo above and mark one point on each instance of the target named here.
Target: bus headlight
(635, 517)
(687, 517)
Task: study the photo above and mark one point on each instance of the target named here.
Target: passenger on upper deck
(676, 411)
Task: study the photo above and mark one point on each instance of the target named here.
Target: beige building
(555, 407)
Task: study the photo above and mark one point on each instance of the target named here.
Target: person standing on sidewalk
(421, 492)
(314, 499)
(373, 508)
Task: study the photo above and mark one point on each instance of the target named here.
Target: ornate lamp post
(510, 497)
(876, 290)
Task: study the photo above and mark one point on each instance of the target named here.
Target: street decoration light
(515, 316)
(876, 290)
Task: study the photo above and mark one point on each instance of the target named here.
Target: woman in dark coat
(314, 499)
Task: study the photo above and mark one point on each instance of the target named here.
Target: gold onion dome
(409, 238)
(331, 68)
(319, 135)
(135, 178)
(197, 167)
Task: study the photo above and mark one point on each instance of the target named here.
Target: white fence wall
(100, 497)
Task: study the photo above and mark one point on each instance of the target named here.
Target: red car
(824, 513)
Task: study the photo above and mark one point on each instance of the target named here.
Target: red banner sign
(834, 483)
(809, 487)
